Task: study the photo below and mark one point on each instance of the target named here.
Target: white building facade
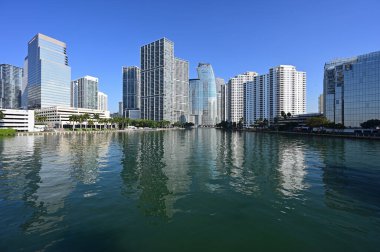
(266, 96)
(102, 101)
(18, 119)
(236, 95)
(58, 117)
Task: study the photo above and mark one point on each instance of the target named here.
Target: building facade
(236, 95)
(58, 117)
(351, 89)
(287, 91)
(161, 99)
(256, 102)
(195, 101)
(131, 89)
(102, 101)
(265, 96)
(219, 105)
(320, 104)
(20, 120)
(181, 90)
(48, 73)
(10, 86)
(203, 96)
(84, 92)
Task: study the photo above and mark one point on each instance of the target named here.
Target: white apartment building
(20, 120)
(283, 89)
(102, 101)
(256, 94)
(287, 88)
(236, 95)
(58, 117)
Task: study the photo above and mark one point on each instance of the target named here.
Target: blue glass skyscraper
(10, 86)
(49, 74)
(203, 97)
(352, 89)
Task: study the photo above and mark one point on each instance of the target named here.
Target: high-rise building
(256, 102)
(320, 104)
(351, 89)
(224, 103)
(287, 91)
(158, 81)
(87, 92)
(10, 86)
(195, 101)
(48, 73)
(236, 95)
(102, 101)
(131, 89)
(74, 94)
(24, 90)
(220, 106)
(282, 89)
(203, 97)
(121, 108)
(181, 90)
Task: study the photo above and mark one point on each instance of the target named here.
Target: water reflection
(43, 171)
(139, 179)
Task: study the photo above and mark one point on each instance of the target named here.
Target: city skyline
(230, 50)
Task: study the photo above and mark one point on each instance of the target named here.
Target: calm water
(196, 190)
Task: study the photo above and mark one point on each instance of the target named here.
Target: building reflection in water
(143, 170)
(44, 170)
(351, 176)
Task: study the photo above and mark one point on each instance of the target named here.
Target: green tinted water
(189, 190)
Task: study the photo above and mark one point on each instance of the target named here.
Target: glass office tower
(131, 89)
(195, 101)
(49, 74)
(207, 78)
(10, 86)
(203, 97)
(351, 89)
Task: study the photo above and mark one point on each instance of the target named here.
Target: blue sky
(234, 36)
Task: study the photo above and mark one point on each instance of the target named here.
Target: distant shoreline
(315, 134)
(70, 132)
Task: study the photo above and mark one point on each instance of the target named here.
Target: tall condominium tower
(220, 83)
(84, 92)
(10, 86)
(181, 91)
(236, 95)
(131, 89)
(158, 82)
(256, 94)
(351, 89)
(102, 101)
(48, 73)
(282, 89)
(224, 103)
(320, 104)
(287, 91)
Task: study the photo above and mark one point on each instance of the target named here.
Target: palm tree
(283, 114)
(91, 123)
(289, 114)
(96, 117)
(2, 116)
(85, 116)
(72, 119)
(80, 120)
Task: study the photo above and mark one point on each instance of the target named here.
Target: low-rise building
(58, 117)
(18, 119)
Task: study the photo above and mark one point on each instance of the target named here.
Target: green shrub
(7, 132)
